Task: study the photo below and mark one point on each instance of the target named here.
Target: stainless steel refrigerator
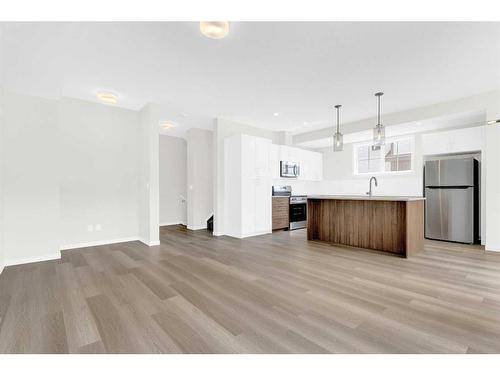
(452, 203)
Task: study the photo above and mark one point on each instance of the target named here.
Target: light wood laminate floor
(269, 294)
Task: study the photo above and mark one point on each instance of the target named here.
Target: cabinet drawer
(280, 224)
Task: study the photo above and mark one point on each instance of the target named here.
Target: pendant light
(338, 138)
(379, 130)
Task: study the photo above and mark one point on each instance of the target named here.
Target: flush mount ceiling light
(107, 97)
(276, 114)
(214, 29)
(166, 125)
(379, 130)
(338, 138)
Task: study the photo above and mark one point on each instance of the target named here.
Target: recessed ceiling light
(214, 29)
(107, 97)
(276, 114)
(166, 125)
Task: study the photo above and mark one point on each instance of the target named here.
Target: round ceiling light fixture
(166, 125)
(214, 29)
(107, 97)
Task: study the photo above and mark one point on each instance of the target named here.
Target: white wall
(149, 185)
(491, 166)
(30, 166)
(173, 180)
(1, 177)
(300, 187)
(200, 178)
(1, 151)
(70, 176)
(98, 173)
(224, 128)
(338, 168)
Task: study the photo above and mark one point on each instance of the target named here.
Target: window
(395, 156)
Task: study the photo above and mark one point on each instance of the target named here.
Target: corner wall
(492, 166)
(1, 179)
(70, 174)
(97, 156)
(148, 161)
(30, 173)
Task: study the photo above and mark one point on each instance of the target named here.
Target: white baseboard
(1, 269)
(494, 249)
(172, 223)
(197, 228)
(150, 243)
(40, 258)
(249, 234)
(99, 243)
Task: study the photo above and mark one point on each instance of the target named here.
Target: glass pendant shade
(379, 130)
(338, 138)
(338, 142)
(379, 135)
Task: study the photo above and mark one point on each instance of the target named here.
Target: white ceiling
(298, 69)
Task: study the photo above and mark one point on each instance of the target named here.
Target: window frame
(356, 146)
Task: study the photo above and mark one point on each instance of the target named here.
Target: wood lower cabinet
(392, 226)
(280, 213)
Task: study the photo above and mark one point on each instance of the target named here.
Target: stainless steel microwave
(289, 169)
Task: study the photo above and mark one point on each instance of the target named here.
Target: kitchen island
(390, 224)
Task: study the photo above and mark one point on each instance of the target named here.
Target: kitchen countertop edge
(366, 198)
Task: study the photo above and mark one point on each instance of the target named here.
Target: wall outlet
(98, 227)
(90, 228)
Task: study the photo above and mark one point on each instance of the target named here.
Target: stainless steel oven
(298, 212)
(289, 169)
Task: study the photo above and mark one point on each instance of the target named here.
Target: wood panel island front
(389, 224)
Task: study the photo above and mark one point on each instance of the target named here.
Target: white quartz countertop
(366, 198)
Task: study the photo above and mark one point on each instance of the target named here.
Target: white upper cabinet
(310, 162)
(454, 141)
